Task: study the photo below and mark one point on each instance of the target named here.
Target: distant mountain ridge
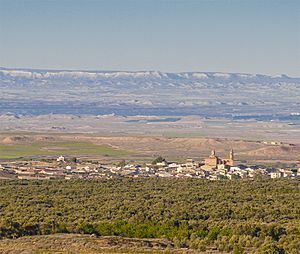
(216, 76)
(25, 91)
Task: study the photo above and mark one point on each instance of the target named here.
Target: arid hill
(173, 148)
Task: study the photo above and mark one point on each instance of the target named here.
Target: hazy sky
(252, 36)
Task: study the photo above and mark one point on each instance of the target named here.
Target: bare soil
(88, 244)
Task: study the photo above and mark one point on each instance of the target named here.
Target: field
(256, 216)
(54, 148)
(166, 126)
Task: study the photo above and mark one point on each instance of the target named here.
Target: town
(212, 168)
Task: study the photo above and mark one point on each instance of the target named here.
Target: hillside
(261, 215)
(143, 148)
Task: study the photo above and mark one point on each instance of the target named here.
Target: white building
(276, 175)
(61, 158)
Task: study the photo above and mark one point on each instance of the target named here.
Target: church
(214, 161)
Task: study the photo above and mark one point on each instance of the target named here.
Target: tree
(121, 163)
(238, 250)
(159, 159)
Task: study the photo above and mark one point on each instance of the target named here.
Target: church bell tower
(231, 155)
(231, 158)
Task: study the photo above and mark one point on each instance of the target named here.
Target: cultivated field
(21, 146)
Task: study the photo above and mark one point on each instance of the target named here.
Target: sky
(248, 36)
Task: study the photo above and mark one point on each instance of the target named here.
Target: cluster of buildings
(212, 168)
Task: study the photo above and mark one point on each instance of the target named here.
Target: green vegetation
(236, 216)
(56, 148)
(159, 159)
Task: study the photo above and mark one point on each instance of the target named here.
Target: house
(162, 164)
(61, 159)
(276, 174)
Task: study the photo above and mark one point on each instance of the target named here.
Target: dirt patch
(45, 139)
(275, 151)
(17, 139)
(87, 244)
